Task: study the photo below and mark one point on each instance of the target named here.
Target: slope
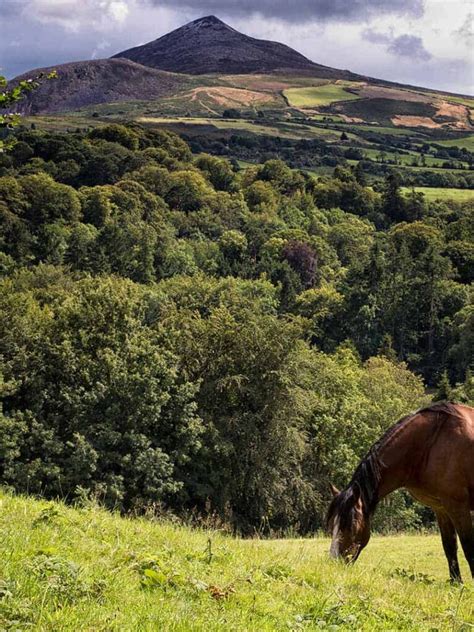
(85, 569)
(208, 45)
(84, 83)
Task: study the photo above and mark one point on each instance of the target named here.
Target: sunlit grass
(434, 193)
(317, 96)
(86, 569)
(465, 142)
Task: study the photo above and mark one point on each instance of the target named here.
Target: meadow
(435, 193)
(281, 129)
(84, 568)
(466, 142)
(319, 96)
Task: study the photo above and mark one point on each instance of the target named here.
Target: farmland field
(433, 193)
(466, 142)
(380, 129)
(318, 96)
(85, 569)
(283, 129)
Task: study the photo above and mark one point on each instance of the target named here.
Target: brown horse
(431, 454)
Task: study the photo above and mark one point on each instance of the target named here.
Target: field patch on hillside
(229, 97)
(264, 83)
(320, 96)
(415, 121)
(370, 91)
(381, 110)
(283, 129)
(466, 142)
(434, 193)
(86, 569)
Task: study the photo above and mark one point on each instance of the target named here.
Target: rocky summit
(208, 45)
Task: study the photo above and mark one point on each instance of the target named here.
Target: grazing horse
(431, 454)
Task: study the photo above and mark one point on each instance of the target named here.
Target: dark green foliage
(117, 134)
(175, 332)
(97, 396)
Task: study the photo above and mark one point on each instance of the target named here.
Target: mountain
(206, 68)
(84, 83)
(208, 45)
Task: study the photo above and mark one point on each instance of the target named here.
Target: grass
(405, 159)
(284, 129)
(85, 569)
(466, 142)
(433, 193)
(380, 129)
(318, 96)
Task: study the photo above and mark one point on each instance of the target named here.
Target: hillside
(86, 83)
(208, 69)
(208, 45)
(69, 569)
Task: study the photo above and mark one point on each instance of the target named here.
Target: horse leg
(463, 523)
(450, 545)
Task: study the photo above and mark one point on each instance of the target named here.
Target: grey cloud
(409, 46)
(374, 37)
(10, 8)
(402, 46)
(300, 11)
(466, 30)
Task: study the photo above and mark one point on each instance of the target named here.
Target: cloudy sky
(422, 42)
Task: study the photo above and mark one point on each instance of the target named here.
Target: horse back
(450, 457)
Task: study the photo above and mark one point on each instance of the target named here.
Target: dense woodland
(181, 335)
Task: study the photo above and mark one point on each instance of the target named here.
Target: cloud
(11, 8)
(301, 10)
(50, 32)
(409, 46)
(99, 50)
(402, 46)
(71, 15)
(466, 30)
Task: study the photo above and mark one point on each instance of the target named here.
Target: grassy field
(85, 569)
(284, 129)
(318, 96)
(433, 193)
(403, 159)
(467, 142)
(380, 129)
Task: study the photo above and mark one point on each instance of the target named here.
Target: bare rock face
(208, 45)
(85, 83)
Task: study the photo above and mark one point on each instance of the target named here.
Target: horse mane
(366, 478)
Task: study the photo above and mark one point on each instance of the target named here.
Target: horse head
(349, 523)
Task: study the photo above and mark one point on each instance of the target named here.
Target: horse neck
(401, 452)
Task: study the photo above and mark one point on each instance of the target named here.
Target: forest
(179, 334)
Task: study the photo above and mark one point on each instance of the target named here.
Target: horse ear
(334, 491)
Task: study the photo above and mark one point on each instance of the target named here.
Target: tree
(219, 172)
(393, 203)
(444, 389)
(8, 98)
(187, 191)
(117, 134)
(49, 201)
(302, 258)
(93, 398)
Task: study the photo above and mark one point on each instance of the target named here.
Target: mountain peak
(209, 45)
(208, 20)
